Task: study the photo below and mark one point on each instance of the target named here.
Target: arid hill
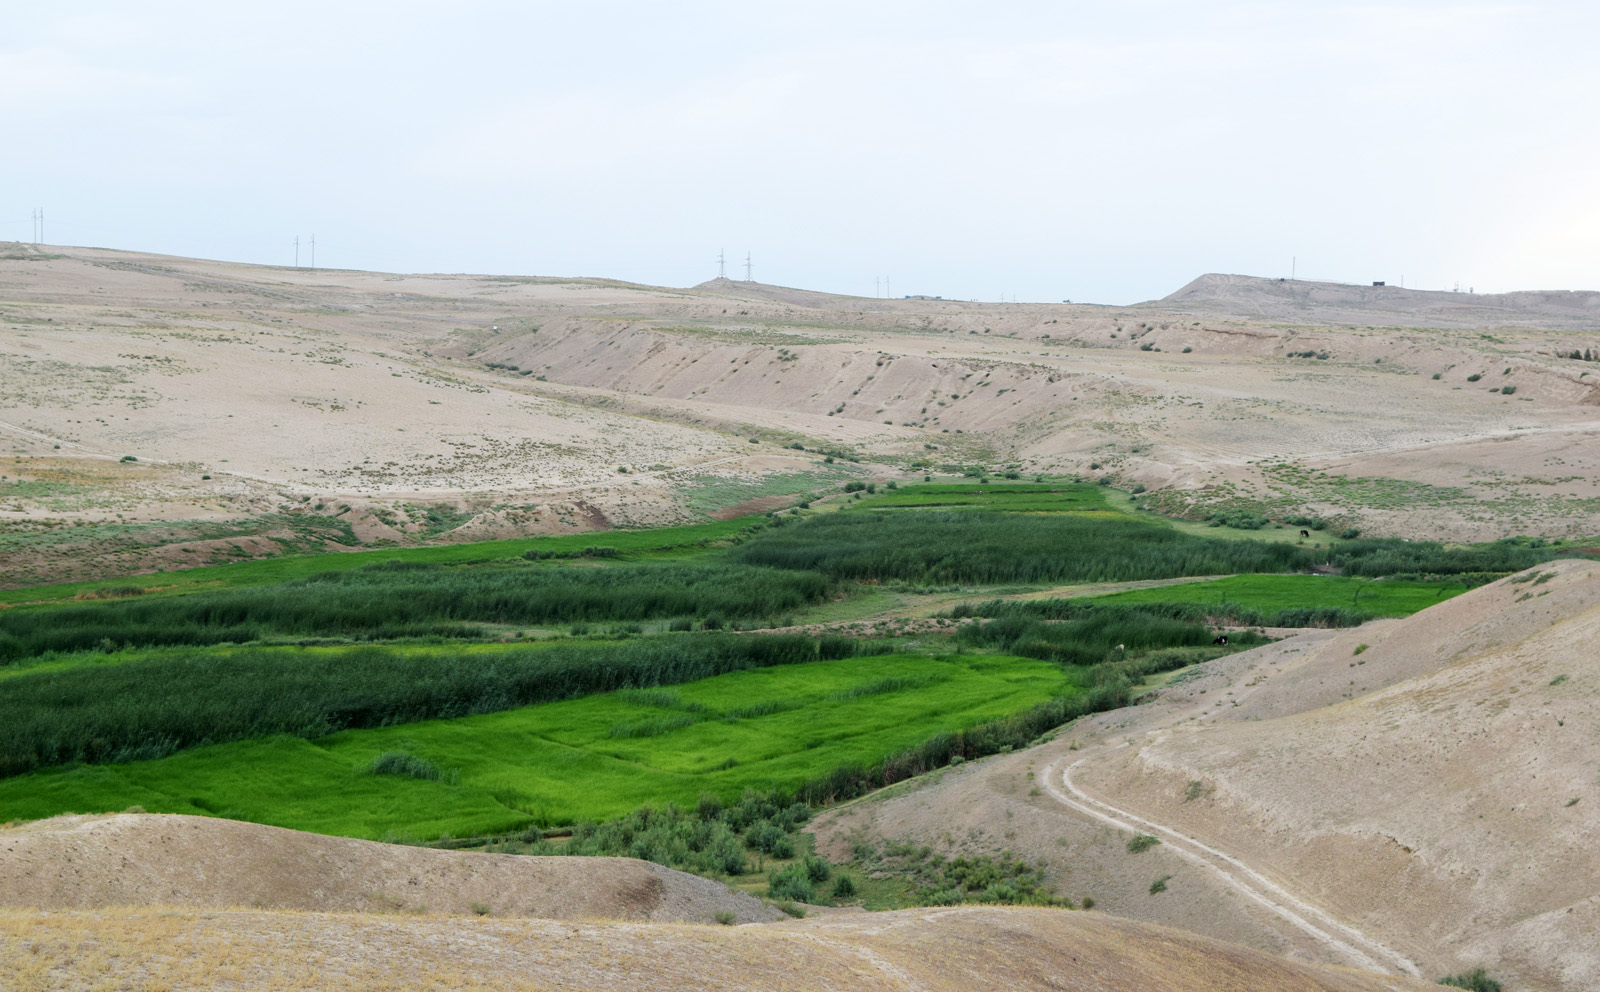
(1415, 794)
(1341, 303)
(163, 412)
(923, 950)
(93, 862)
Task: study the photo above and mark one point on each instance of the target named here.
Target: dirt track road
(1355, 947)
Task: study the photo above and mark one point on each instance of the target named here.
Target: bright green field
(1269, 593)
(251, 573)
(589, 758)
(1019, 497)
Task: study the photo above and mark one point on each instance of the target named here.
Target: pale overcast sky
(1099, 152)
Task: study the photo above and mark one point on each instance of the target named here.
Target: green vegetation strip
(1268, 595)
(980, 546)
(593, 758)
(400, 599)
(169, 701)
(288, 568)
(1014, 497)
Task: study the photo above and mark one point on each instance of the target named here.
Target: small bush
(1477, 980)
(1142, 843)
(843, 887)
(1474, 377)
(1088, 902)
(1350, 533)
(726, 917)
(1507, 390)
(793, 884)
(1160, 884)
(817, 870)
(128, 458)
(481, 908)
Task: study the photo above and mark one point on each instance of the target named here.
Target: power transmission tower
(747, 267)
(722, 266)
(297, 251)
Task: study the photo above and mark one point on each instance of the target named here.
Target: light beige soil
(90, 862)
(1432, 801)
(363, 398)
(923, 950)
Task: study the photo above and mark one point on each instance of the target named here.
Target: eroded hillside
(162, 412)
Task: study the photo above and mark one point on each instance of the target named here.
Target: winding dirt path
(1354, 946)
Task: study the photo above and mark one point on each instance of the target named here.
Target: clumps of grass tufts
(1196, 789)
(898, 683)
(407, 765)
(1142, 843)
(1359, 648)
(652, 727)
(1160, 884)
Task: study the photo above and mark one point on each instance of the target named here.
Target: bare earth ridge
(134, 859)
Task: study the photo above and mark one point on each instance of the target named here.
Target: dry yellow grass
(933, 950)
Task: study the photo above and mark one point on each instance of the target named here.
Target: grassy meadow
(591, 758)
(1270, 594)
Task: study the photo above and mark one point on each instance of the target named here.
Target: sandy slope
(1454, 811)
(87, 862)
(1432, 799)
(957, 950)
(360, 397)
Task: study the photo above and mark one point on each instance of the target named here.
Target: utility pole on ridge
(747, 267)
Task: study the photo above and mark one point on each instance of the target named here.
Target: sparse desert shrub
(726, 917)
(1160, 884)
(1474, 377)
(1142, 843)
(1477, 980)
